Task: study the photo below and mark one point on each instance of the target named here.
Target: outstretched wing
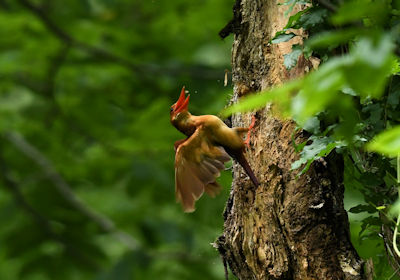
(197, 164)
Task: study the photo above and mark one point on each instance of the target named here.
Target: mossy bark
(289, 227)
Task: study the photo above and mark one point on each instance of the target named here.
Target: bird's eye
(171, 109)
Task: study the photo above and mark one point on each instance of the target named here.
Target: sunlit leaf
(294, 18)
(370, 61)
(257, 101)
(395, 66)
(282, 38)
(320, 147)
(395, 209)
(290, 59)
(312, 125)
(387, 143)
(14, 99)
(319, 88)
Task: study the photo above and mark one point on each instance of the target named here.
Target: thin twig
(398, 172)
(327, 5)
(55, 65)
(395, 236)
(65, 190)
(396, 249)
(387, 235)
(393, 274)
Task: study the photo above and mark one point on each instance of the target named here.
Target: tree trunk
(288, 227)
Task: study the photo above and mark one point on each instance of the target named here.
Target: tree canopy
(87, 157)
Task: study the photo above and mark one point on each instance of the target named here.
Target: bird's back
(219, 132)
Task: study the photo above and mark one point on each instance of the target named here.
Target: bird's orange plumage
(200, 157)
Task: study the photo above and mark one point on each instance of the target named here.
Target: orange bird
(200, 157)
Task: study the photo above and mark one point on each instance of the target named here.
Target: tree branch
(143, 69)
(54, 67)
(327, 5)
(107, 225)
(65, 190)
(20, 200)
(38, 218)
(69, 40)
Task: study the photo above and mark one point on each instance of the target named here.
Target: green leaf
(15, 99)
(349, 91)
(351, 11)
(282, 38)
(369, 221)
(257, 101)
(313, 17)
(318, 89)
(320, 147)
(395, 66)
(366, 62)
(386, 143)
(363, 208)
(290, 59)
(291, 4)
(370, 61)
(312, 125)
(331, 39)
(293, 19)
(395, 209)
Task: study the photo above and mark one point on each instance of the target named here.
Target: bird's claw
(253, 122)
(247, 142)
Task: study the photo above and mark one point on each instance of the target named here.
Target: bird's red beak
(182, 103)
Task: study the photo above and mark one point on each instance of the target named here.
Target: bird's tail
(239, 157)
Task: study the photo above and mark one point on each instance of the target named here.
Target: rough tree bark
(288, 227)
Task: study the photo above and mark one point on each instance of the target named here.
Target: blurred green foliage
(86, 153)
(350, 100)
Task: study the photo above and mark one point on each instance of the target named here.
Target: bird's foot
(253, 122)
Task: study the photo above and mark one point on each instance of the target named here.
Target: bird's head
(180, 108)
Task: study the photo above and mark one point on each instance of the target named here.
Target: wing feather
(197, 164)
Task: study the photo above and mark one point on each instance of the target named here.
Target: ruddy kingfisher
(201, 156)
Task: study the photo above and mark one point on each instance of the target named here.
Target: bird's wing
(197, 164)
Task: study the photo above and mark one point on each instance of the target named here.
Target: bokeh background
(87, 158)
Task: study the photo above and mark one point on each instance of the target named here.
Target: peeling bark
(288, 227)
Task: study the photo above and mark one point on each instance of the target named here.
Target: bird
(200, 157)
